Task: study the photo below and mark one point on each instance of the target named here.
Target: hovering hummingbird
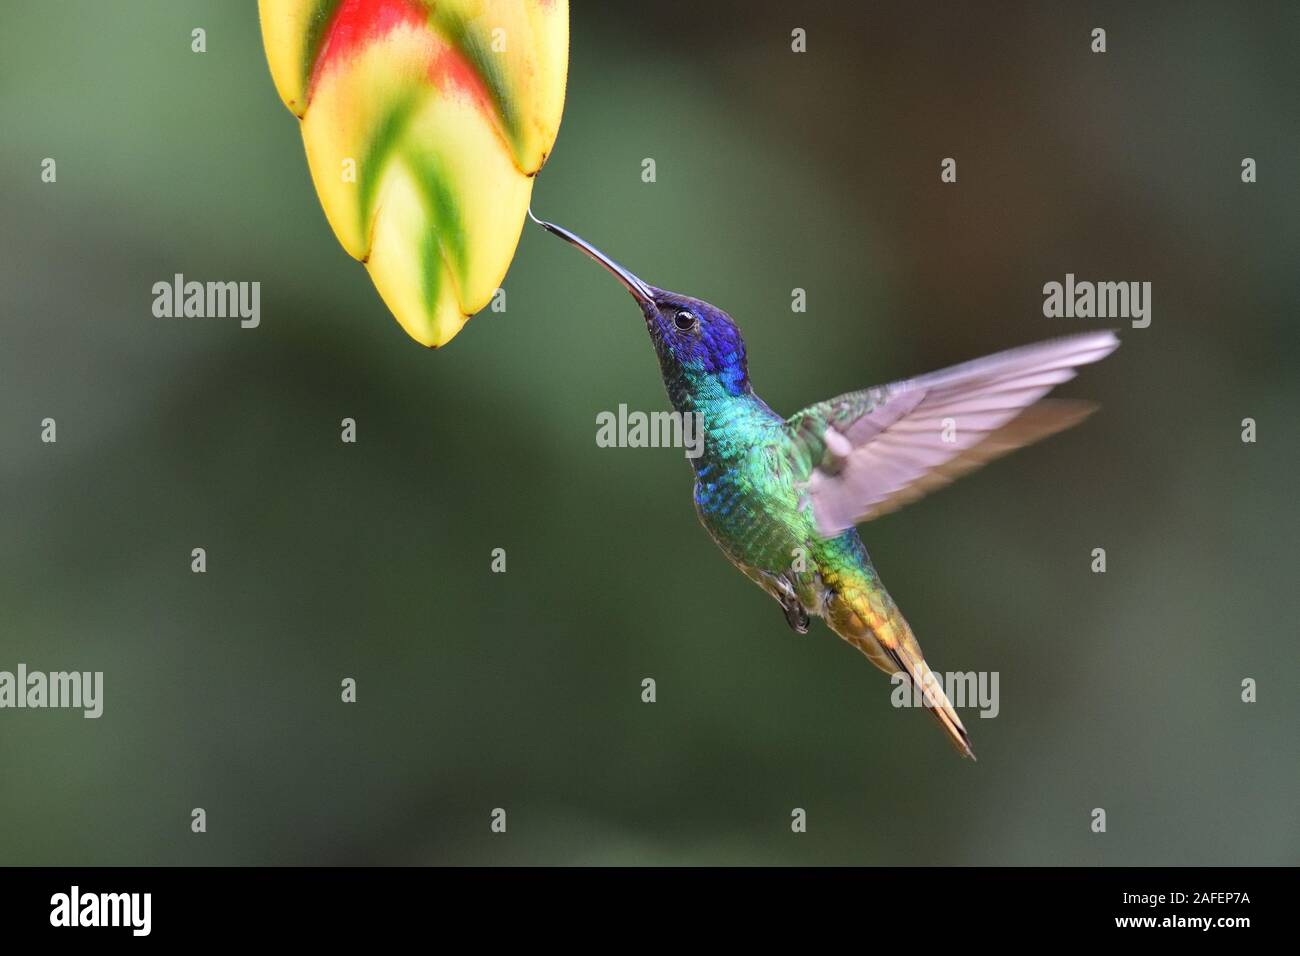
(782, 496)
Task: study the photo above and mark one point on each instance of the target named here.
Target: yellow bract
(423, 124)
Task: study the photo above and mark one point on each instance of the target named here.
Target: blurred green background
(479, 690)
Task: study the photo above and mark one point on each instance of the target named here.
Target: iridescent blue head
(698, 344)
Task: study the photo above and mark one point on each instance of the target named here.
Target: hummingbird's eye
(685, 321)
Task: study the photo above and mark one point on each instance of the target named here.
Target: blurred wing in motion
(870, 452)
(424, 122)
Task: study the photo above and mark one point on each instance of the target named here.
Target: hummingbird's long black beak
(640, 291)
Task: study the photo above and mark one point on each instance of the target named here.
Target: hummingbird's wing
(869, 452)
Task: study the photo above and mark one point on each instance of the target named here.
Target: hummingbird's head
(693, 339)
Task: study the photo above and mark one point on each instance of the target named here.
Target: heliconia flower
(424, 122)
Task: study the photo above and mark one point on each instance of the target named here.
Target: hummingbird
(782, 497)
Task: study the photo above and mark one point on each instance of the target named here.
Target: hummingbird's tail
(872, 623)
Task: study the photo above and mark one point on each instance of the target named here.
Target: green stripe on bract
(487, 64)
(382, 144)
(448, 233)
(317, 23)
(431, 263)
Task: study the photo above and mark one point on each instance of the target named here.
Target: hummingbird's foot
(782, 588)
(795, 615)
